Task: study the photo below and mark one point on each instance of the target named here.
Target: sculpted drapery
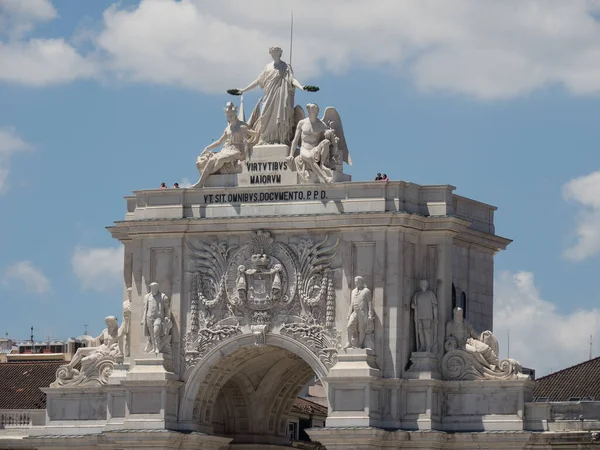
(277, 117)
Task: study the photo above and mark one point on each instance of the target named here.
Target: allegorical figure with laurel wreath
(276, 119)
(235, 148)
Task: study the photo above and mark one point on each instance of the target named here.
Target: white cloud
(585, 191)
(26, 274)
(481, 48)
(486, 49)
(36, 62)
(541, 337)
(10, 144)
(18, 17)
(98, 269)
(42, 62)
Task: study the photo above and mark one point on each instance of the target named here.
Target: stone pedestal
(119, 373)
(74, 410)
(486, 405)
(267, 166)
(152, 367)
(152, 394)
(421, 404)
(354, 390)
(425, 366)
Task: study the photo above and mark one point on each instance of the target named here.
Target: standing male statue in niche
(360, 316)
(276, 119)
(424, 303)
(153, 316)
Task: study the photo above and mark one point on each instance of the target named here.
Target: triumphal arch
(276, 268)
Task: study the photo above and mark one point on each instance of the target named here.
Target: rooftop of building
(305, 406)
(20, 383)
(576, 383)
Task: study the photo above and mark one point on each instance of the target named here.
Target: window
(293, 431)
(453, 297)
(463, 303)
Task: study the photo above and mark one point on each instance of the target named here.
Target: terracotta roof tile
(302, 405)
(20, 383)
(579, 381)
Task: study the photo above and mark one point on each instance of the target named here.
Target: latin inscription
(257, 197)
(267, 166)
(265, 179)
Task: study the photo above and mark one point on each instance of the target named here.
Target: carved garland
(323, 342)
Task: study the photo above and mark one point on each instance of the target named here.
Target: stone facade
(259, 294)
(275, 268)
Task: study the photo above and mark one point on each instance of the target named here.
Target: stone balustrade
(21, 418)
(15, 418)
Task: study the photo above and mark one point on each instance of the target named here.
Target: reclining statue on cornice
(236, 148)
(472, 356)
(97, 359)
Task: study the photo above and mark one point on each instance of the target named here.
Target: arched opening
(247, 392)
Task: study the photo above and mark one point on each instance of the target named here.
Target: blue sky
(501, 100)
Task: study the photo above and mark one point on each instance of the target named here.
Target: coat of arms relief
(260, 287)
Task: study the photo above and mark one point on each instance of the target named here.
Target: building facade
(276, 268)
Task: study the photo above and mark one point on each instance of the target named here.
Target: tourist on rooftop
(378, 177)
(176, 185)
(163, 185)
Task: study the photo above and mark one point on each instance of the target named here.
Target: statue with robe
(235, 148)
(276, 116)
(424, 304)
(156, 319)
(97, 359)
(360, 316)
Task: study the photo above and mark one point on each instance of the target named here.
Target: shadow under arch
(230, 357)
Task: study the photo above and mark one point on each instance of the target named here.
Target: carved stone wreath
(259, 287)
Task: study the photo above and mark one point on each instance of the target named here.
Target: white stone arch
(203, 379)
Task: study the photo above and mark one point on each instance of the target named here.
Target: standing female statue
(276, 119)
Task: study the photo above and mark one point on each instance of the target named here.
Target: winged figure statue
(320, 144)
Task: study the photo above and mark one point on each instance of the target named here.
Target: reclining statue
(472, 356)
(235, 148)
(97, 359)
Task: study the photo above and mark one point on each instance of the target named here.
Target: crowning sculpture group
(265, 285)
(317, 147)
